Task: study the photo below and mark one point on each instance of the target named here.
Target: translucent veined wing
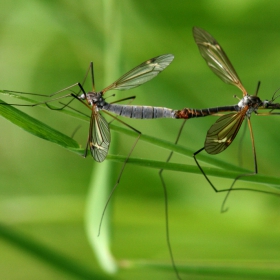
(223, 131)
(99, 136)
(216, 58)
(142, 73)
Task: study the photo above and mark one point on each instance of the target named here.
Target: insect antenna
(275, 97)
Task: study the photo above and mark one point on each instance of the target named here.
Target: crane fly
(99, 137)
(222, 133)
(99, 133)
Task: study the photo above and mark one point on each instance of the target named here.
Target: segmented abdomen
(188, 113)
(139, 112)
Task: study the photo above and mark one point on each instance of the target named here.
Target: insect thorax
(95, 98)
(253, 102)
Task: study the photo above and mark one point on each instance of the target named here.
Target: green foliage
(36, 127)
(45, 190)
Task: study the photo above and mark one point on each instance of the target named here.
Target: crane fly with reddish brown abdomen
(222, 133)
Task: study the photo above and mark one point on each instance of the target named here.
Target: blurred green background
(46, 46)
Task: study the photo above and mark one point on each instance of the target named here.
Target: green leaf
(46, 254)
(217, 172)
(38, 128)
(228, 170)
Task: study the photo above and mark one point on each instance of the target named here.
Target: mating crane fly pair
(220, 135)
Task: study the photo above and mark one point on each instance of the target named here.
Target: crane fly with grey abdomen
(99, 132)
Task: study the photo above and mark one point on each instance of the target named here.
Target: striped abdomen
(139, 112)
(188, 113)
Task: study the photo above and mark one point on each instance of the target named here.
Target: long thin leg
(240, 145)
(123, 166)
(45, 102)
(202, 171)
(268, 114)
(160, 172)
(82, 113)
(89, 70)
(165, 191)
(166, 205)
(92, 76)
(72, 94)
(133, 146)
(238, 177)
(131, 99)
(223, 209)
(81, 85)
(51, 100)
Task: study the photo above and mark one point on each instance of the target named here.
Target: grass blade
(37, 128)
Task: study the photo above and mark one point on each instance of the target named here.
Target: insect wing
(216, 58)
(142, 73)
(99, 136)
(223, 131)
